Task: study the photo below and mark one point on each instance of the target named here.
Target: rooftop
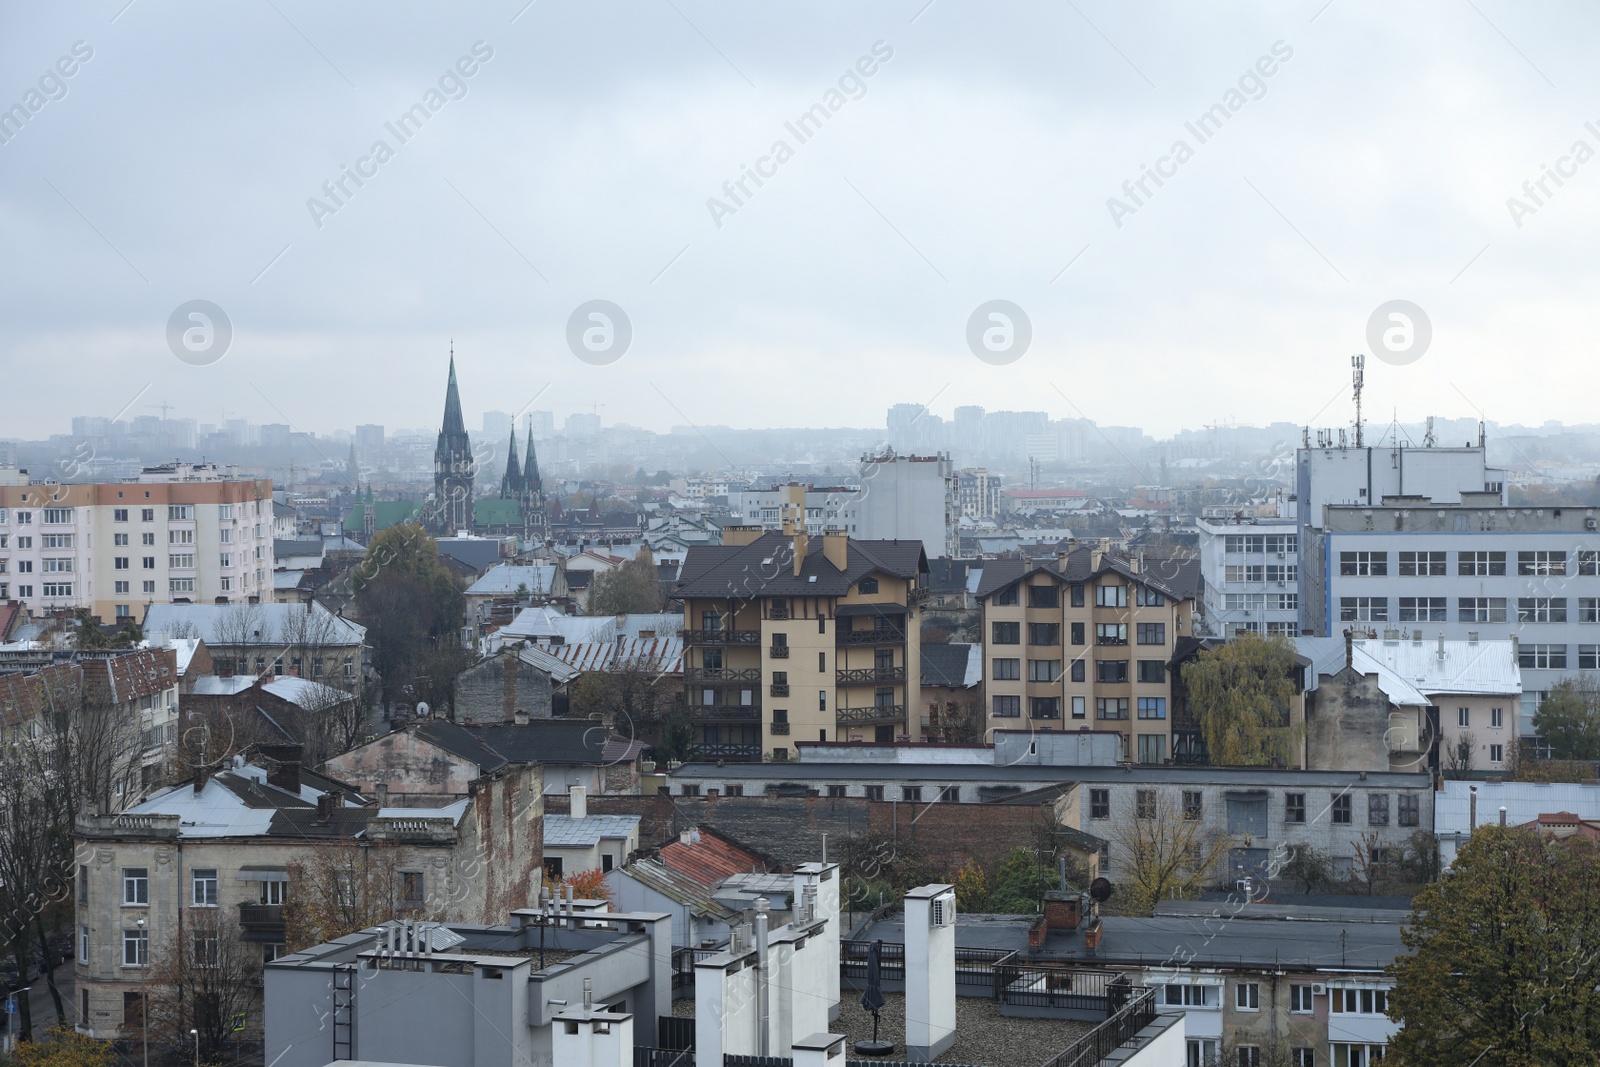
(956, 772)
(563, 831)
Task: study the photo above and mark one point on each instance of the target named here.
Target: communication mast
(1358, 378)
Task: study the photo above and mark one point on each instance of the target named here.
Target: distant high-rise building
(496, 425)
(369, 442)
(276, 435)
(542, 424)
(91, 426)
(582, 425)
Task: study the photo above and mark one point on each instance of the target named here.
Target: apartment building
(1251, 569)
(1467, 571)
(301, 640)
(790, 637)
(909, 498)
(977, 493)
(796, 505)
(1084, 640)
(178, 533)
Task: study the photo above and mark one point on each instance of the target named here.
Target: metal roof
(1463, 667)
(223, 625)
(933, 772)
(563, 831)
(504, 580)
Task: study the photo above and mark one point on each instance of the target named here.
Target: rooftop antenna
(1427, 436)
(1358, 379)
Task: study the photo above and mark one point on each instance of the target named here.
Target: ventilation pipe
(763, 962)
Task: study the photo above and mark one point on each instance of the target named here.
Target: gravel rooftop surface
(984, 1037)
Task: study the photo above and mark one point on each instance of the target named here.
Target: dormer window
(867, 585)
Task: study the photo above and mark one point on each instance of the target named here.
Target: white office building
(1251, 572)
(909, 498)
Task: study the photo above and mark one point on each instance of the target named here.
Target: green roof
(387, 512)
(496, 512)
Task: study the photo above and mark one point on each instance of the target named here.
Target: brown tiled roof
(709, 858)
(765, 567)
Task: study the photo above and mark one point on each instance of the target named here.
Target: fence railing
(1023, 983)
(1116, 1032)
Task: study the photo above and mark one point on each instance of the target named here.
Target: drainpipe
(763, 961)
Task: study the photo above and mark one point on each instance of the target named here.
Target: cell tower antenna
(1358, 378)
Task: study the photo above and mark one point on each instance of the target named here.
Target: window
(1424, 609)
(874, 792)
(1111, 633)
(1377, 809)
(1542, 562)
(273, 892)
(833, 791)
(1111, 707)
(1300, 999)
(1152, 670)
(1079, 706)
(950, 794)
(135, 886)
(1111, 670)
(1363, 609)
(1541, 609)
(1044, 707)
(822, 700)
(1358, 1001)
(58, 516)
(1191, 996)
(1044, 596)
(180, 537)
(1144, 804)
(1421, 564)
(1007, 633)
(119, 515)
(1077, 596)
(1099, 803)
(1044, 633)
(1006, 598)
(204, 880)
(147, 539)
(1007, 707)
(867, 585)
(120, 562)
(1588, 609)
(1481, 609)
(1152, 707)
(1463, 717)
(1248, 1055)
(206, 950)
(149, 563)
(83, 883)
(135, 948)
(1543, 657)
(185, 561)
(1283, 573)
(911, 792)
(1152, 748)
(83, 944)
(1247, 996)
(1341, 808)
(24, 518)
(1007, 670)
(1347, 1054)
(56, 541)
(147, 514)
(1145, 597)
(1480, 564)
(1078, 670)
(1111, 596)
(57, 588)
(180, 512)
(1193, 804)
(180, 585)
(1302, 1057)
(1363, 563)
(1151, 633)
(1497, 718)
(1044, 670)
(1497, 753)
(411, 889)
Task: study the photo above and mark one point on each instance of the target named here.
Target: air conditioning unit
(1590, 524)
(1318, 989)
(942, 911)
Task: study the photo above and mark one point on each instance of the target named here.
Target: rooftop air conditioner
(1318, 989)
(942, 912)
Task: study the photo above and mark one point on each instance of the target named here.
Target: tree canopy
(1240, 693)
(1568, 718)
(412, 606)
(1501, 968)
(633, 587)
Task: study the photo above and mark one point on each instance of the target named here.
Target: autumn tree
(633, 588)
(1568, 718)
(1161, 851)
(1500, 968)
(410, 603)
(972, 888)
(1240, 693)
(343, 887)
(203, 978)
(1308, 867)
(64, 1046)
(629, 695)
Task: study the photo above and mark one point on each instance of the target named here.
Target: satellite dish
(1101, 889)
(422, 709)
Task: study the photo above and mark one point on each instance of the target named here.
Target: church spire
(453, 423)
(530, 466)
(511, 482)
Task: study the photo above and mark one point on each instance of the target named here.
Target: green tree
(1020, 884)
(1240, 693)
(1309, 868)
(411, 605)
(972, 888)
(1501, 968)
(634, 587)
(1569, 719)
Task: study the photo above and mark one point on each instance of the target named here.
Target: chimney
(1095, 555)
(802, 545)
(1349, 649)
(1502, 815)
(1516, 651)
(1441, 645)
(285, 774)
(325, 809)
(1472, 637)
(579, 802)
(836, 548)
(200, 776)
(788, 523)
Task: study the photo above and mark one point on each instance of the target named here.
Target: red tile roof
(709, 858)
(10, 615)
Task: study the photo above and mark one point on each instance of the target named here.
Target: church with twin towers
(518, 510)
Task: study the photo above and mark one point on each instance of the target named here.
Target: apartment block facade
(1252, 575)
(1085, 640)
(788, 637)
(179, 533)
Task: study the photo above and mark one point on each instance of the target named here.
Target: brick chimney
(836, 548)
(577, 802)
(802, 545)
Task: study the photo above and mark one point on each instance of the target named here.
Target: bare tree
(345, 886)
(1162, 852)
(1371, 867)
(203, 978)
(1458, 756)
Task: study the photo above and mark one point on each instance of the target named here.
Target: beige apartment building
(178, 533)
(789, 637)
(1084, 640)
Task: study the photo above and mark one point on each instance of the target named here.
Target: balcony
(884, 635)
(729, 751)
(723, 676)
(721, 637)
(870, 676)
(779, 689)
(780, 728)
(889, 713)
(262, 922)
(725, 712)
(778, 651)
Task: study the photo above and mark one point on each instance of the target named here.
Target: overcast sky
(179, 160)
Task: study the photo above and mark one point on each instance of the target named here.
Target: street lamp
(11, 1040)
(143, 949)
(196, 1034)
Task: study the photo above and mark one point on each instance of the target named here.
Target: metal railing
(866, 716)
(722, 676)
(780, 689)
(728, 750)
(721, 637)
(1028, 983)
(1116, 1032)
(778, 651)
(780, 728)
(869, 675)
(887, 635)
(724, 712)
